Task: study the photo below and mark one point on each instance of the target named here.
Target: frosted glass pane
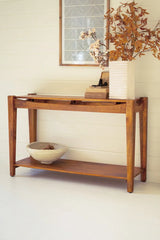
(84, 23)
(90, 10)
(74, 33)
(77, 56)
(83, 2)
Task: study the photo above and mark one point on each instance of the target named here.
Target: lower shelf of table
(81, 168)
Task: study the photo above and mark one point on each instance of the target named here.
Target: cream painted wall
(29, 45)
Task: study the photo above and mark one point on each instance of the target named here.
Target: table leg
(130, 130)
(143, 138)
(12, 121)
(32, 113)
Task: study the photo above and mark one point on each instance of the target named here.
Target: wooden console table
(33, 102)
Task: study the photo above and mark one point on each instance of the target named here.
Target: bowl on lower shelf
(46, 152)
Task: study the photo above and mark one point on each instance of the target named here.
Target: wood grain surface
(81, 168)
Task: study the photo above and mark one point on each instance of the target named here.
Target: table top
(68, 98)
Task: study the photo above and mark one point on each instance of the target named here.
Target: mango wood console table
(32, 102)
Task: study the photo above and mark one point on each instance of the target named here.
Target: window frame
(107, 4)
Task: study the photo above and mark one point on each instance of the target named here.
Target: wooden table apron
(129, 107)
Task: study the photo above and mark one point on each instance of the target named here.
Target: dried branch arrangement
(129, 36)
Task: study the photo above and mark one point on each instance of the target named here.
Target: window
(77, 16)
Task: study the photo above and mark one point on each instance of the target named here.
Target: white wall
(29, 53)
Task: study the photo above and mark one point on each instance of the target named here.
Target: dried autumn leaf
(129, 35)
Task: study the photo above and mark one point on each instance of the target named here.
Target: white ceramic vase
(122, 79)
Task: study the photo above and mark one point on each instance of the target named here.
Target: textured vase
(122, 79)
